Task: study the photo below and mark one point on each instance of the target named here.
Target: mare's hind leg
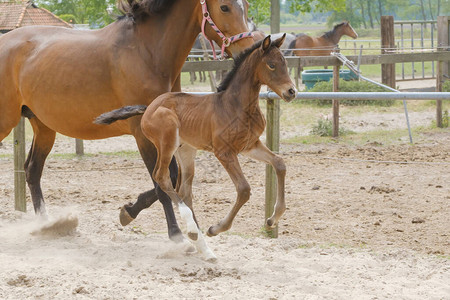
(130, 211)
(43, 141)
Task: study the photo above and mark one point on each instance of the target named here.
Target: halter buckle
(227, 42)
(202, 1)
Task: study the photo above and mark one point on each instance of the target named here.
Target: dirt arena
(355, 228)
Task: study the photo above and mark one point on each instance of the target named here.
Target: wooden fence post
(387, 44)
(212, 79)
(272, 130)
(443, 27)
(335, 102)
(20, 202)
(79, 147)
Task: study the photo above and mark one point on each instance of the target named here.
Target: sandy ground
(354, 228)
(363, 222)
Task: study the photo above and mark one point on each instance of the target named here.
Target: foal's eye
(271, 66)
(224, 8)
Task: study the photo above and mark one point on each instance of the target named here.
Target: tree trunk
(361, 3)
(380, 8)
(422, 8)
(369, 12)
(431, 11)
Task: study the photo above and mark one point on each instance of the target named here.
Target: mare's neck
(166, 39)
(337, 34)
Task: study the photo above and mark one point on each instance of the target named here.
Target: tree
(349, 14)
(260, 9)
(92, 12)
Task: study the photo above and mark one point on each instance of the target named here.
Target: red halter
(225, 41)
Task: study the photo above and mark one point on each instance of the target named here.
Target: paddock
(360, 221)
(364, 220)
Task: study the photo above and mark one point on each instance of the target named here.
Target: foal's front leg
(231, 163)
(262, 153)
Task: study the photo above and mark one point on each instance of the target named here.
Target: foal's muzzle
(290, 94)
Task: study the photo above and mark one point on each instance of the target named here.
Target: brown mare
(61, 79)
(322, 45)
(226, 123)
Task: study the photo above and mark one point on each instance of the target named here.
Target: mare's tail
(120, 114)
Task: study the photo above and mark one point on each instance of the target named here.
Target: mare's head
(347, 29)
(272, 69)
(230, 17)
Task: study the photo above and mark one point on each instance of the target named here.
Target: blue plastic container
(311, 77)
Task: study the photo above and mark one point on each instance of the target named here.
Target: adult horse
(304, 45)
(61, 79)
(226, 123)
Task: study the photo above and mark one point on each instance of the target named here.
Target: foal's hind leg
(43, 141)
(262, 153)
(162, 129)
(185, 156)
(149, 154)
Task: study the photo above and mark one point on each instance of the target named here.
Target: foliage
(324, 127)
(259, 10)
(445, 119)
(92, 12)
(306, 6)
(69, 18)
(350, 86)
(446, 86)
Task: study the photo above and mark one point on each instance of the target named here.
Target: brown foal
(226, 123)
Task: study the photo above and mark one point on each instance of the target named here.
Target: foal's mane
(139, 10)
(330, 33)
(238, 61)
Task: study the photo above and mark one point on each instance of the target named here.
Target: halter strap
(225, 41)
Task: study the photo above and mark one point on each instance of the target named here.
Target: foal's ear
(278, 42)
(266, 43)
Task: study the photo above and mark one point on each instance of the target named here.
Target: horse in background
(259, 35)
(304, 45)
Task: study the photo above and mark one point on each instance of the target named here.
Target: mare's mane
(330, 33)
(238, 61)
(139, 10)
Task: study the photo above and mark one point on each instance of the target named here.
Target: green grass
(384, 137)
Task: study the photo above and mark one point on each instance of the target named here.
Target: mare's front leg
(262, 153)
(149, 155)
(130, 211)
(230, 162)
(43, 141)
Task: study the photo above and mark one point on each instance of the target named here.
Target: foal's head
(272, 70)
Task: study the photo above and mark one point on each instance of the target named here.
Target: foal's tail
(120, 114)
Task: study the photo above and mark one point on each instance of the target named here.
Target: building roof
(15, 14)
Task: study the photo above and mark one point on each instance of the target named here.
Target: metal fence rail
(353, 95)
